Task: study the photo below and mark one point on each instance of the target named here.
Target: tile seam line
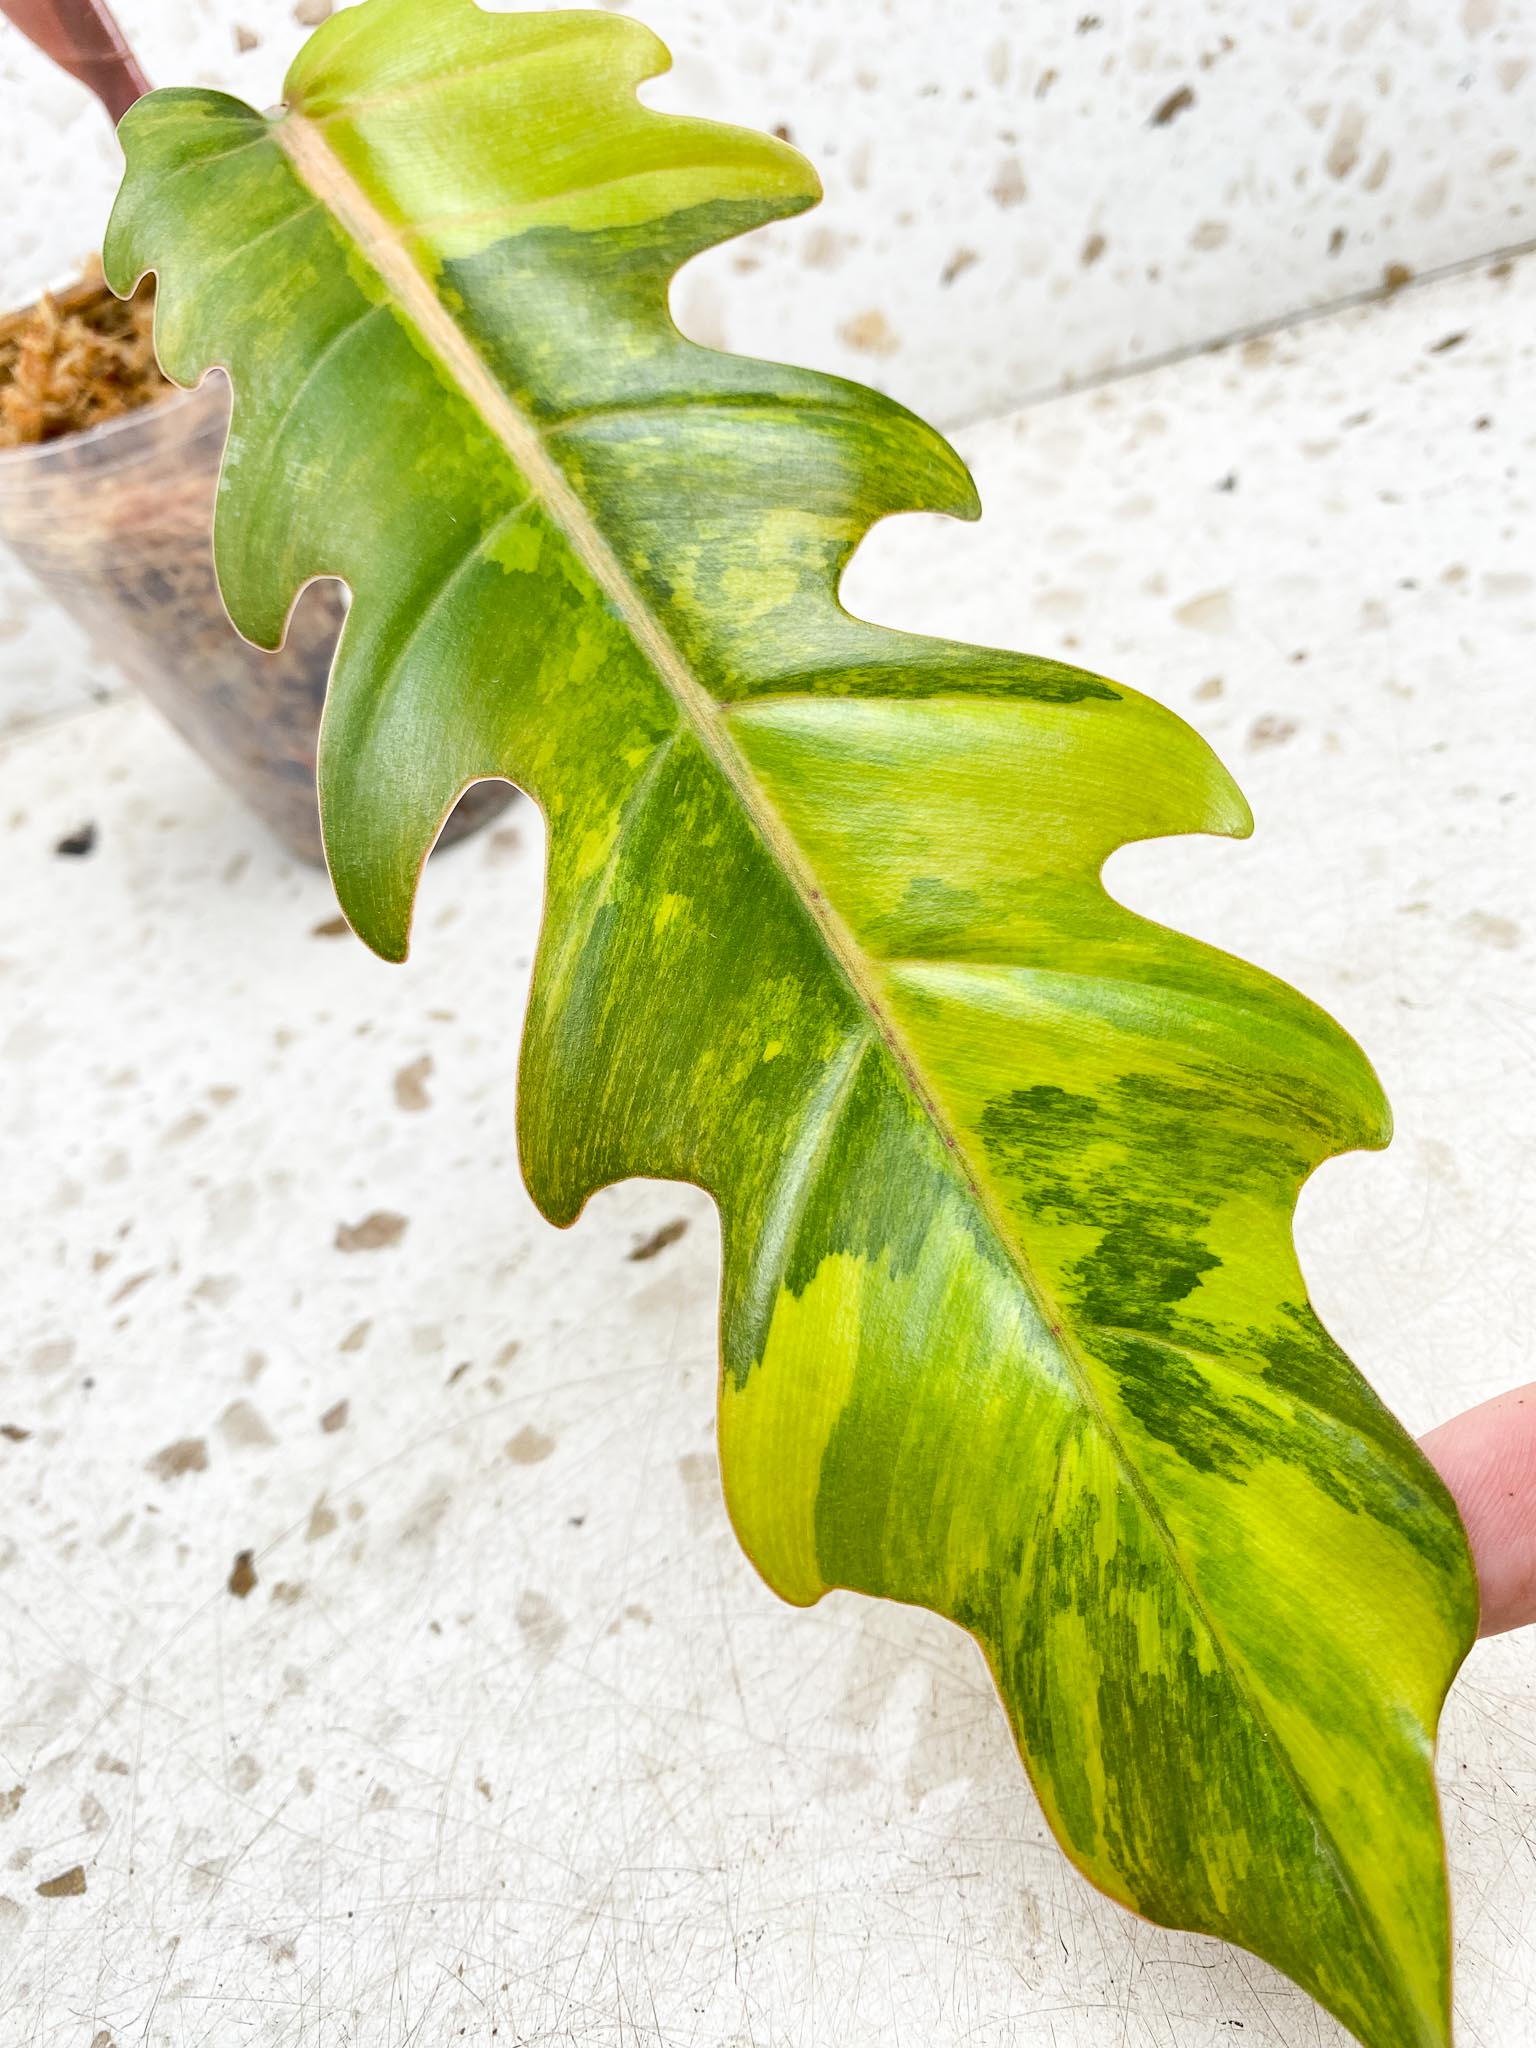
(49, 721)
(1284, 323)
(1280, 323)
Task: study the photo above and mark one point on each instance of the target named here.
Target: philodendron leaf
(1012, 1320)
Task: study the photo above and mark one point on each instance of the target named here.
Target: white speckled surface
(1005, 212)
(506, 1742)
(1017, 196)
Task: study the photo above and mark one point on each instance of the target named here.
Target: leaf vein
(395, 667)
(803, 1163)
(296, 396)
(422, 88)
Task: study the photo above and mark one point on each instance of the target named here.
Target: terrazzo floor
(377, 1665)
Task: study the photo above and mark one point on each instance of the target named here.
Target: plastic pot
(116, 523)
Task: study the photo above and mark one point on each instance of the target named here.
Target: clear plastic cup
(116, 523)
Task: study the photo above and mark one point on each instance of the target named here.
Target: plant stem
(82, 37)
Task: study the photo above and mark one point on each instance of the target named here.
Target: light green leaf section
(1012, 1321)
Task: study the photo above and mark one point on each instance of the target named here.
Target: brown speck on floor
(1209, 236)
(1210, 689)
(700, 1474)
(14, 1433)
(244, 1429)
(334, 1418)
(111, 1766)
(1175, 104)
(1447, 342)
(69, 1884)
(77, 844)
(781, 129)
(458, 1373)
(411, 1084)
(542, 1625)
(185, 1127)
(187, 1454)
(503, 843)
(1394, 277)
(10, 1801)
(355, 1338)
(1093, 249)
(1009, 188)
(871, 333)
(1344, 150)
(530, 1446)
(658, 1240)
(961, 261)
(246, 39)
(377, 1232)
(287, 1593)
(242, 1576)
(330, 928)
(427, 1516)
(1271, 731)
(310, 13)
(321, 1523)
(825, 250)
(1336, 241)
(1210, 612)
(508, 1352)
(1482, 925)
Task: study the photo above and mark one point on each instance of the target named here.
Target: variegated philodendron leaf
(1012, 1320)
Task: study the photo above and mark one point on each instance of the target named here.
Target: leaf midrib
(383, 247)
